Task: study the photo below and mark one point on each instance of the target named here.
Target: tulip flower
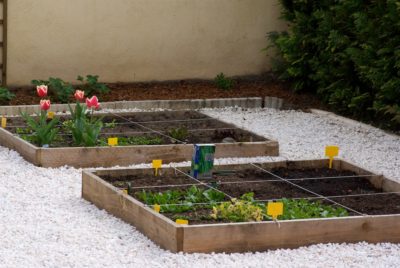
(92, 102)
(41, 91)
(79, 95)
(44, 105)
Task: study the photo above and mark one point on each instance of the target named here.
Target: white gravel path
(45, 223)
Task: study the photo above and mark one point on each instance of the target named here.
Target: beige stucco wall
(138, 40)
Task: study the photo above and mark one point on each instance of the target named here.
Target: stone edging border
(251, 102)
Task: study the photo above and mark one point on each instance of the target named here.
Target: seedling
(223, 82)
(5, 95)
(91, 85)
(179, 133)
(111, 124)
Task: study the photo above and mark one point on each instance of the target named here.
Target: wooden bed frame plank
(290, 234)
(24, 148)
(159, 229)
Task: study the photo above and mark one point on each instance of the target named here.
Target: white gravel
(45, 223)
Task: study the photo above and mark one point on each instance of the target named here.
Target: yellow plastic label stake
(50, 115)
(180, 221)
(331, 152)
(125, 191)
(157, 165)
(157, 208)
(3, 122)
(274, 209)
(112, 141)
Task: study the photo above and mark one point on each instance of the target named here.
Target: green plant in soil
(136, 140)
(304, 209)
(177, 201)
(179, 133)
(244, 209)
(43, 130)
(25, 130)
(111, 124)
(223, 82)
(91, 85)
(239, 210)
(85, 129)
(247, 209)
(59, 89)
(67, 125)
(25, 134)
(5, 95)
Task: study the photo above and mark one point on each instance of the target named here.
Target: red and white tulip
(79, 95)
(92, 102)
(41, 91)
(45, 105)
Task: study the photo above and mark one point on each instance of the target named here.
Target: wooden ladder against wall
(3, 41)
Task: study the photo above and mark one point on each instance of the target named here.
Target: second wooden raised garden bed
(322, 205)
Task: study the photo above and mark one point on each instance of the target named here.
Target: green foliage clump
(177, 201)
(179, 133)
(247, 209)
(239, 210)
(135, 140)
(5, 95)
(60, 90)
(111, 124)
(345, 51)
(304, 209)
(25, 134)
(43, 130)
(91, 85)
(140, 140)
(223, 82)
(85, 129)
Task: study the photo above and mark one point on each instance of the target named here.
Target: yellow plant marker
(157, 165)
(125, 191)
(50, 115)
(112, 141)
(156, 208)
(274, 209)
(3, 122)
(331, 152)
(180, 221)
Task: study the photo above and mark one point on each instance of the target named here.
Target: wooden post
(4, 42)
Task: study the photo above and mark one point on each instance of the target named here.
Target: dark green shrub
(59, 89)
(223, 82)
(345, 51)
(5, 95)
(91, 85)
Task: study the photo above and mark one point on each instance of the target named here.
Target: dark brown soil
(267, 187)
(198, 128)
(189, 89)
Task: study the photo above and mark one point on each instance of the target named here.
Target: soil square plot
(142, 137)
(227, 213)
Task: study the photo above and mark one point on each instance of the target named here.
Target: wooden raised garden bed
(358, 205)
(143, 137)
